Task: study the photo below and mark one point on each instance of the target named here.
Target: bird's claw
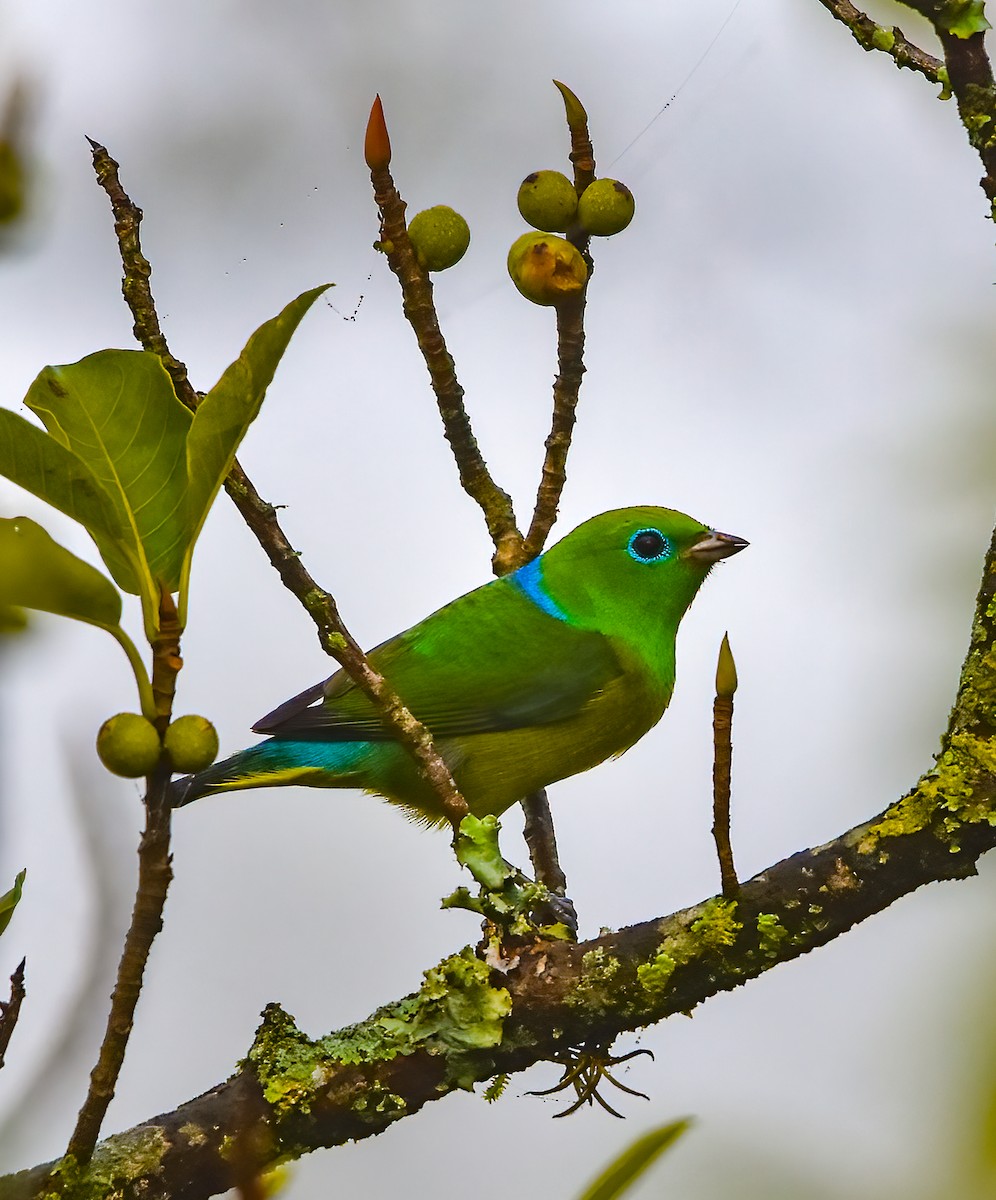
(584, 1070)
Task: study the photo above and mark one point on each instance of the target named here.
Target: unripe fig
(129, 745)
(192, 743)
(547, 200)
(546, 269)
(439, 236)
(606, 207)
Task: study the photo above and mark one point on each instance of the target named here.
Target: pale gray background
(792, 342)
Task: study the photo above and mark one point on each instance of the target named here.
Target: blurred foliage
(9, 901)
(13, 156)
(12, 619)
(628, 1166)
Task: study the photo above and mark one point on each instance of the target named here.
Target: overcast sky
(791, 342)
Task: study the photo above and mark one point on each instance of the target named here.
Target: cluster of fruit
(545, 268)
(129, 744)
(548, 269)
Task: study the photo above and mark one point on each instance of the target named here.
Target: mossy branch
(469, 1023)
(888, 39)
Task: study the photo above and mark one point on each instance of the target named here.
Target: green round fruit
(547, 200)
(606, 207)
(192, 743)
(129, 745)
(439, 236)
(547, 269)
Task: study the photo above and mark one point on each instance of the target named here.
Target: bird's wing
(491, 660)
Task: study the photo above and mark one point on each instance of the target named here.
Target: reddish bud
(377, 144)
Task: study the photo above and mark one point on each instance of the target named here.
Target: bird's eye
(649, 545)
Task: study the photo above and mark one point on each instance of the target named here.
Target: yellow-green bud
(547, 200)
(547, 269)
(726, 670)
(439, 236)
(192, 743)
(129, 745)
(606, 207)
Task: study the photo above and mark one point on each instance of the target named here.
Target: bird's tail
(275, 763)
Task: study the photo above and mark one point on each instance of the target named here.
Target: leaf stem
(135, 661)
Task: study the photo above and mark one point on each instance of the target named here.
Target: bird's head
(633, 572)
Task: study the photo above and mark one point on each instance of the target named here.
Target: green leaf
(477, 849)
(227, 411)
(117, 411)
(9, 901)
(35, 461)
(624, 1171)
(964, 18)
(36, 572)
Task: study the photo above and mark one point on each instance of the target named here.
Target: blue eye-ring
(648, 545)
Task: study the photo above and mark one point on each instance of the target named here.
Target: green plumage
(527, 680)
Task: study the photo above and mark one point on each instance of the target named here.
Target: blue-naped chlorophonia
(529, 679)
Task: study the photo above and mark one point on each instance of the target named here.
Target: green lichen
(128, 1156)
(194, 1134)
(456, 1010)
(883, 39)
(598, 970)
(284, 1060)
(717, 925)
(976, 106)
(771, 933)
(952, 785)
(506, 897)
(963, 18)
(654, 976)
(715, 928)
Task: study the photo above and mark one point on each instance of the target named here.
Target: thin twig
(541, 839)
(892, 41)
(722, 723)
(261, 517)
(155, 873)
(10, 1009)
(338, 642)
(570, 357)
(420, 312)
(135, 284)
(722, 732)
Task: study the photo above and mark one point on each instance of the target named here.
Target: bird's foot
(585, 1069)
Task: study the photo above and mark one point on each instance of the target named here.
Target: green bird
(529, 679)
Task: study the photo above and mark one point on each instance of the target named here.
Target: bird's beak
(713, 546)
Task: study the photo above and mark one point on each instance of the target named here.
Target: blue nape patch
(529, 581)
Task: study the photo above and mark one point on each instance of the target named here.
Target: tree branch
(871, 36)
(470, 1022)
(966, 71)
(10, 1009)
(261, 517)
